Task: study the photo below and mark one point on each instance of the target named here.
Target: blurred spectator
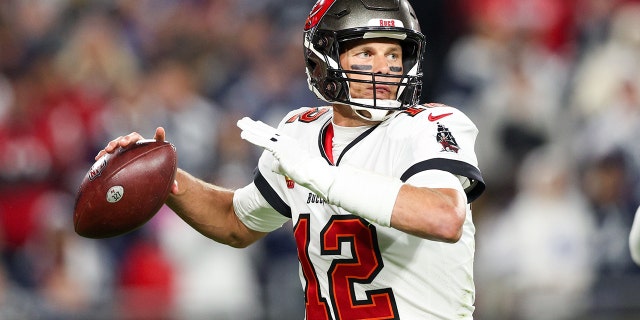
(535, 258)
(610, 184)
(146, 283)
(593, 23)
(273, 79)
(43, 142)
(97, 57)
(212, 281)
(72, 274)
(505, 76)
(15, 301)
(605, 102)
(606, 91)
(609, 73)
(192, 121)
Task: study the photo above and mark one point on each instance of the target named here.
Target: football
(125, 189)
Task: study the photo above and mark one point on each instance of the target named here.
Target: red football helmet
(333, 22)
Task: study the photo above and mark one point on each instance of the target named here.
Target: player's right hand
(131, 138)
(125, 141)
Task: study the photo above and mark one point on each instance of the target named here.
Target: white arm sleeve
(254, 211)
(634, 238)
(367, 194)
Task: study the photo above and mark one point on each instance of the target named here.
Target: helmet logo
(387, 23)
(317, 12)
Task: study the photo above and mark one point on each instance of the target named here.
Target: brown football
(125, 189)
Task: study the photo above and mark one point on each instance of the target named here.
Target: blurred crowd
(553, 86)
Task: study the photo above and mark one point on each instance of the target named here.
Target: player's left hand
(295, 162)
(338, 185)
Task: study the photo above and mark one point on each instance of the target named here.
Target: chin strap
(387, 108)
(360, 192)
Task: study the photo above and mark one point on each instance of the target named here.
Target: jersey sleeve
(262, 205)
(255, 211)
(436, 179)
(443, 138)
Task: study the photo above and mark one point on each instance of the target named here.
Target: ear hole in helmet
(322, 42)
(331, 88)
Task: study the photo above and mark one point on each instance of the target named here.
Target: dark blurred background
(553, 86)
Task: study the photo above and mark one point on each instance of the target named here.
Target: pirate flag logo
(446, 139)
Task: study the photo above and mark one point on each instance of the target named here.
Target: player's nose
(381, 64)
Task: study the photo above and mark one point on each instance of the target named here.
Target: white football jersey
(351, 268)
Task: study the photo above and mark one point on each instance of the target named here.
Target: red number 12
(363, 267)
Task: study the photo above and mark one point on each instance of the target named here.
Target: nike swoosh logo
(438, 117)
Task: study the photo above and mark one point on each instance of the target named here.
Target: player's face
(379, 56)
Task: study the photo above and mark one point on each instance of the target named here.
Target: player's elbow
(451, 231)
(450, 214)
(453, 237)
(236, 240)
(433, 214)
(448, 228)
(239, 243)
(242, 236)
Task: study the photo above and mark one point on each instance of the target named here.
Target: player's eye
(363, 55)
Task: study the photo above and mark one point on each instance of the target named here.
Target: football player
(378, 188)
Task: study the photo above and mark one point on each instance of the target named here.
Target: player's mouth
(382, 91)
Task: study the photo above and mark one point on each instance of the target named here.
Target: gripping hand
(295, 162)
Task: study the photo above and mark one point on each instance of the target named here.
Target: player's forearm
(434, 214)
(209, 209)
